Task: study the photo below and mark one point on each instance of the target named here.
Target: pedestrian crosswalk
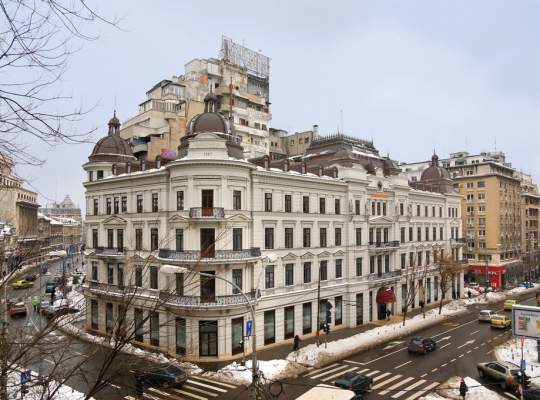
(196, 388)
(387, 385)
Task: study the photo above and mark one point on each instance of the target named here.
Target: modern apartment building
(209, 235)
(491, 214)
(530, 205)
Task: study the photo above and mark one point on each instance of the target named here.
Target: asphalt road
(462, 342)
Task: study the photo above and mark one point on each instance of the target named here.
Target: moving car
(508, 304)
(327, 392)
(500, 321)
(485, 315)
(356, 382)
(503, 372)
(526, 285)
(421, 345)
(17, 308)
(165, 377)
(22, 284)
(473, 285)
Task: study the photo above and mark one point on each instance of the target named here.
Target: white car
(474, 285)
(485, 315)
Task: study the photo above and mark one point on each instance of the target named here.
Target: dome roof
(112, 147)
(434, 171)
(207, 122)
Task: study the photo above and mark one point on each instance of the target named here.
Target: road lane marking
(461, 355)
(421, 376)
(444, 365)
(401, 365)
(113, 385)
(195, 396)
(483, 344)
(373, 372)
(510, 396)
(172, 396)
(395, 386)
(330, 371)
(475, 348)
(214, 382)
(339, 374)
(322, 369)
(468, 351)
(386, 382)
(200, 390)
(468, 342)
(381, 376)
(472, 333)
(356, 362)
(423, 391)
(434, 369)
(446, 345)
(402, 392)
(452, 360)
(207, 386)
(489, 352)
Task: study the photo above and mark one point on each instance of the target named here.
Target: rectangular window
(359, 309)
(386, 263)
(419, 234)
(337, 237)
(268, 202)
(100, 174)
(138, 277)
(357, 207)
(418, 210)
(268, 238)
(358, 236)
(307, 272)
(359, 266)
(120, 275)
(237, 280)
(95, 274)
(96, 206)
(427, 234)
(322, 237)
(269, 277)
(371, 241)
(428, 257)
(410, 234)
(289, 238)
(411, 259)
(154, 239)
(139, 324)
(384, 208)
(306, 318)
(94, 238)
(94, 311)
(110, 274)
(338, 313)
(108, 206)
(139, 203)
(337, 206)
(306, 237)
(269, 327)
(323, 270)
(237, 239)
(434, 233)
(372, 208)
(116, 205)
(289, 322)
(401, 209)
(419, 258)
(124, 204)
(138, 239)
(371, 264)
(179, 284)
(154, 328)
(180, 325)
(180, 200)
(237, 325)
(154, 202)
(120, 240)
(288, 203)
(441, 234)
(153, 277)
(339, 268)
(289, 274)
(402, 235)
(237, 200)
(179, 239)
(109, 318)
(322, 205)
(305, 204)
(110, 238)
(403, 260)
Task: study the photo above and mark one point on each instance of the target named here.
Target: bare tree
(37, 39)
(447, 268)
(414, 274)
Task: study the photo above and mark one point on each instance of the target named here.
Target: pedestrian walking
(388, 313)
(463, 389)
(296, 342)
(35, 303)
(469, 293)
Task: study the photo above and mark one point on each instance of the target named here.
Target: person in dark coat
(296, 342)
(463, 389)
(388, 313)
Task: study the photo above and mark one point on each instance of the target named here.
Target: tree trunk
(442, 300)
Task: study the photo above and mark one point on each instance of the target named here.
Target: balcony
(382, 278)
(459, 242)
(218, 256)
(102, 288)
(207, 212)
(384, 246)
(227, 301)
(110, 251)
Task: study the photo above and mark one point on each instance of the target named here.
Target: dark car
(164, 377)
(356, 382)
(421, 345)
(531, 394)
(30, 277)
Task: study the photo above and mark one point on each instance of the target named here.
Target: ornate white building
(342, 218)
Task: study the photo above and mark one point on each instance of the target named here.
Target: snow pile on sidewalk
(39, 392)
(511, 351)
(450, 390)
(271, 370)
(312, 355)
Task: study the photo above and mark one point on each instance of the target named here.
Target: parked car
(22, 284)
(17, 308)
(166, 376)
(58, 308)
(531, 394)
(500, 321)
(526, 285)
(503, 372)
(358, 383)
(50, 287)
(421, 345)
(473, 285)
(485, 315)
(508, 304)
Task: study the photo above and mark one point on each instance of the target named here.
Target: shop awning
(385, 296)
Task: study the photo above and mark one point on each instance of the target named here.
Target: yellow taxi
(500, 321)
(508, 304)
(22, 284)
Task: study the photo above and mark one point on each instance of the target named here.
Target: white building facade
(277, 234)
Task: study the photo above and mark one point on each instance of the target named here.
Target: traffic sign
(26, 376)
(249, 327)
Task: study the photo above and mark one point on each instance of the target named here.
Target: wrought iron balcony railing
(206, 212)
(393, 244)
(196, 255)
(384, 275)
(209, 301)
(110, 251)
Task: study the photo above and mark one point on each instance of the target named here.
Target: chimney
(158, 161)
(266, 162)
(304, 167)
(286, 165)
(114, 169)
(315, 131)
(321, 170)
(143, 165)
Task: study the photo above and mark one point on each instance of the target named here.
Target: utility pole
(4, 346)
(318, 304)
(487, 278)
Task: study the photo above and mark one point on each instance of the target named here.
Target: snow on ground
(511, 351)
(450, 390)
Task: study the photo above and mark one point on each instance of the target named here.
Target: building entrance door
(208, 339)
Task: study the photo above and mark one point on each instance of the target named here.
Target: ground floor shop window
(289, 322)
(269, 327)
(338, 305)
(94, 314)
(306, 318)
(237, 335)
(208, 338)
(359, 309)
(180, 336)
(154, 329)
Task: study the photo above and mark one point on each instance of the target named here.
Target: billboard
(526, 321)
(256, 63)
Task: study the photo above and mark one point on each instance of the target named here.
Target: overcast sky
(411, 75)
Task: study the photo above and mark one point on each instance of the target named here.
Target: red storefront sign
(495, 273)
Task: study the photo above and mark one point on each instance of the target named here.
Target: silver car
(485, 315)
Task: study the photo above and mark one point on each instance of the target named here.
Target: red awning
(385, 296)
